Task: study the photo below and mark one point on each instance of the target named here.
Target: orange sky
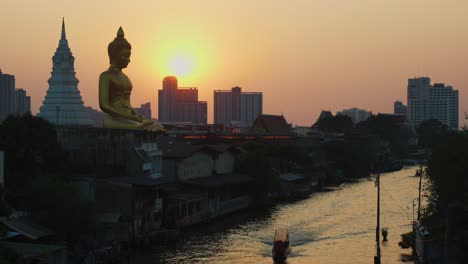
(304, 55)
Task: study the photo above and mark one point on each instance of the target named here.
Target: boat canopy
(281, 234)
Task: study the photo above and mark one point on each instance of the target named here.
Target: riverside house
(205, 184)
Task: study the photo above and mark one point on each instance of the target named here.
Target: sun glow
(186, 55)
(181, 65)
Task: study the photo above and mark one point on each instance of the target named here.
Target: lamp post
(377, 229)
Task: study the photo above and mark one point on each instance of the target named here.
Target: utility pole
(419, 199)
(377, 229)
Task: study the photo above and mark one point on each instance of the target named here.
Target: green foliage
(384, 128)
(257, 165)
(431, 132)
(447, 190)
(9, 256)
(354, 155)
(338, 123)
(381, 126)
(447, 170)
(258, 160)
(5, 209)
(407, 240)
(31, 149)
(60, 205)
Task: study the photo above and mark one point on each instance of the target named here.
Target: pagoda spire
(64, 36)
(63, 42)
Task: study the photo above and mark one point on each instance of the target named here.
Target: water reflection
(328, 227)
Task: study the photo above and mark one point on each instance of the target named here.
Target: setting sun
(186, 55)
(181, 65)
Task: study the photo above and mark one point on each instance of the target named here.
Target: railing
(431, 251)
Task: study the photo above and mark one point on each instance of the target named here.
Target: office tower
(27, 104)
(427, 101)
(145, 110)
(180, 104)
(7, 95)
(237, 107)
(63, 104)
(12, 101)
(356, 114)
(399, 108)
(22, 102)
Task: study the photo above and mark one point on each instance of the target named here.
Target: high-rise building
(22, 101)
(7, 95)
(12, 101)
(399, 108)
(180, 104)
(167, 100)
(27, 104)
(356, 114)
(145, 110)
(427, 101)
(62, 104)
(235, 106)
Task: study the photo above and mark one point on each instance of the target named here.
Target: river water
(336, 226)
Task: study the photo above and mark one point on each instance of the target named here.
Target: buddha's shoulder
(107, 74)
(110, 75)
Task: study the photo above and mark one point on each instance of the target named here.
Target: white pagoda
(62, 104)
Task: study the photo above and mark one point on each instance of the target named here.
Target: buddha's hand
(147, 122)
(156, 127)
(139, 118)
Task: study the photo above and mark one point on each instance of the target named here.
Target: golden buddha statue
(115, 89)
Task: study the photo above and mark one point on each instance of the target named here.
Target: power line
(396, 202)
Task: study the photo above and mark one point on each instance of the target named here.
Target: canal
(336, 226)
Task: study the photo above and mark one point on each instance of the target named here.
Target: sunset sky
(304, 55)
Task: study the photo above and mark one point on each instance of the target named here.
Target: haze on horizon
(303, 55)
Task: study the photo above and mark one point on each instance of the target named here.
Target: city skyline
(332, 55)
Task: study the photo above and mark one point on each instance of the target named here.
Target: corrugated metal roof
(219, 180)
(27, 228)
(139, 181)
(291, 177)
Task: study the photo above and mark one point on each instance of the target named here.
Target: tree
(379, 125)
(388, 130)
(354, 155)
(431, 132)
(338, 123)
(57, 205)
(258, 166)
(36, 180)
(447, 184)
(31, 149)
(5, 209)
(9, 256)
(447, 170)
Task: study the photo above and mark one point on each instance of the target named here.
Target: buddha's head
(119, 50)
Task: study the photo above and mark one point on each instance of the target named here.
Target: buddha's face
(123, 59)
